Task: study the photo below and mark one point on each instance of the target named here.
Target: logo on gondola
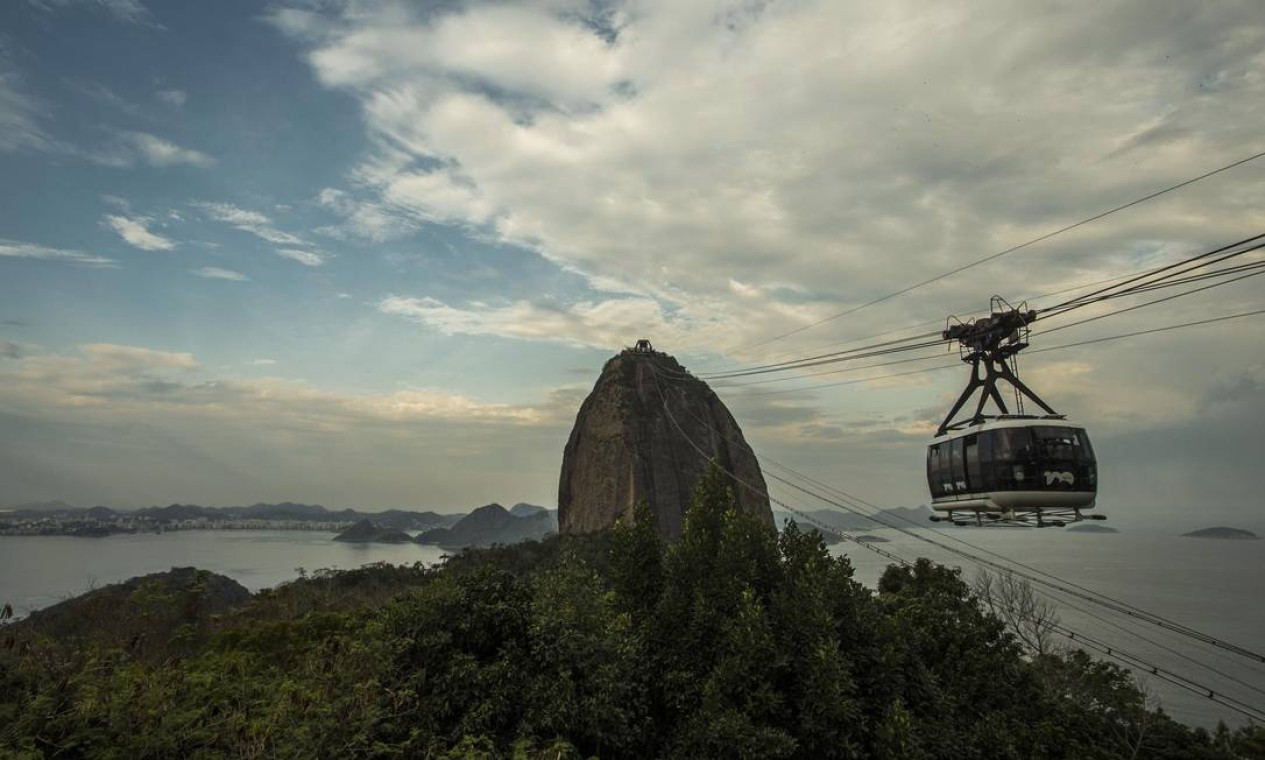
(1059, 477)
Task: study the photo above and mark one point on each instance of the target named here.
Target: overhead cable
(958, 364)
(1115, 652)
(1170, 275)
(1247, 245)
(938, 320)
(1075, 590)
(999, 254)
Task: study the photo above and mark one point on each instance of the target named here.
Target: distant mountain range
(400, 519)
(45, 506)
(490, 524)
(494, 524)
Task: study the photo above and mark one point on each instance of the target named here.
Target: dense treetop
(732, 642)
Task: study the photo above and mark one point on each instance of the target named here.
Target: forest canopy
(734, 641)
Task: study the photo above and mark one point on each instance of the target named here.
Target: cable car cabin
(1013, 469)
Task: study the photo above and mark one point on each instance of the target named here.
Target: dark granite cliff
(647, 431)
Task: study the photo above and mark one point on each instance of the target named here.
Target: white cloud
(842, 147)
(173, 98)
(103, 94)
(97, 371)
(131, 11)
(249, 221)
(132, 148)
(362, 219)
(134, 231)
(609, 324)
(439, 196)
(334, 199)
(156, 151)
(19, 116)
(275, 236)
(519, 48)
(130, 360)
(217, 273)
(21, 129)
(230, 214)
(20, 250)
(306, 258)
(211, 438)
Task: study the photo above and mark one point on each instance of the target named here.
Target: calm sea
(36, 571)
(1210, 585)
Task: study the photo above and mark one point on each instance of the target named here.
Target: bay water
(1211, 585)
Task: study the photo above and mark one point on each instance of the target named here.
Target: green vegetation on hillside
(733, 642)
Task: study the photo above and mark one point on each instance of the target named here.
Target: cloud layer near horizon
(138, 407)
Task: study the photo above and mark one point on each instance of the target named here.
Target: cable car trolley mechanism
(1006, 467)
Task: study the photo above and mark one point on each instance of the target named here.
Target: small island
(365, 532)
(1092, 528)
(1237, 534)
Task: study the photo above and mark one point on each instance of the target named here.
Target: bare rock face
(647, 431)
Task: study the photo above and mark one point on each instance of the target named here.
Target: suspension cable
(1169, 275)
(1248, 245)
(1074, 590)
(1061, 347)
(999, 254)
(1115, 652)
(938, 320)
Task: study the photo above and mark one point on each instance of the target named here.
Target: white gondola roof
(998, 423)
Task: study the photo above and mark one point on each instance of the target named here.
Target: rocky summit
(647, 431)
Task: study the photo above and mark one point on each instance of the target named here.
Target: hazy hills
(401, 519)
(494, 524)
(392, 518)
(46, 506)
(489, 524)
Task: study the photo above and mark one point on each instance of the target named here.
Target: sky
(375, 253)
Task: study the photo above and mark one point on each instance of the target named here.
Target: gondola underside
(1013, 471)
(1041, 508)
